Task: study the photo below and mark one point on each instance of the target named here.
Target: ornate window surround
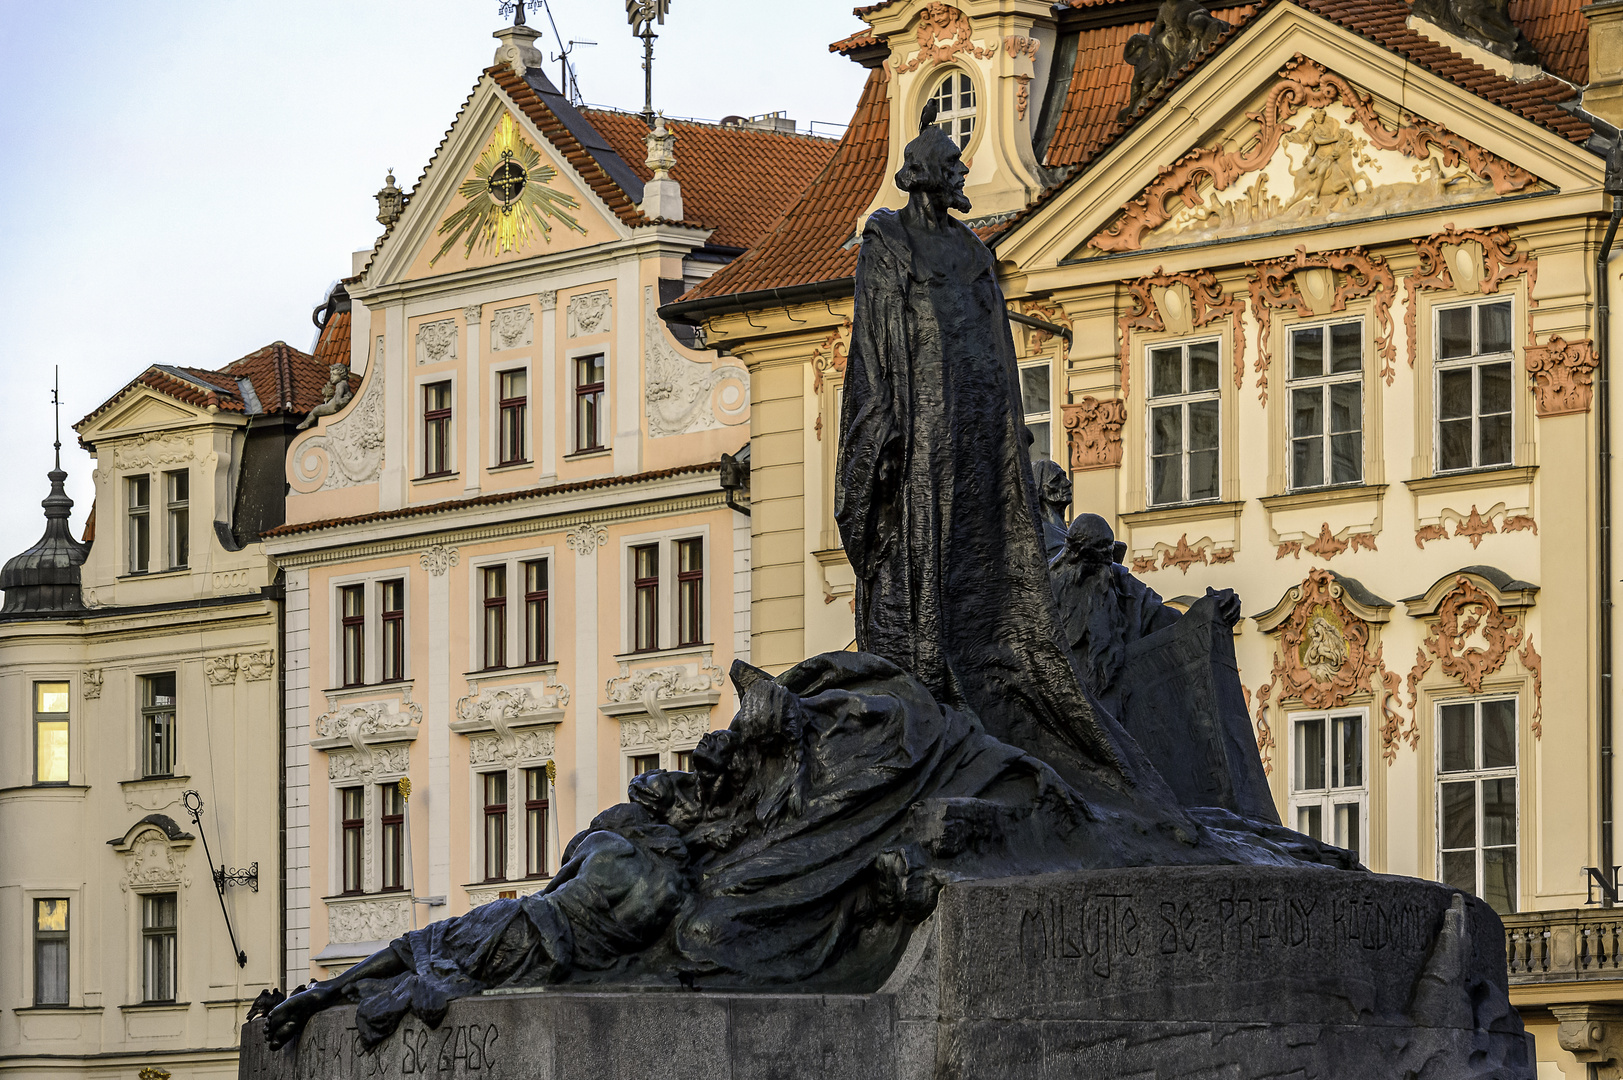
(1137, 427)
(1278, 406)
(929, 81)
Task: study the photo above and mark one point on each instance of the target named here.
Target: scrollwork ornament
(438, 559)
(90, 683)
(586, 537)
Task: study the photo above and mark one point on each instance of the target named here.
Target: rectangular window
(1035, 398)
(393, 597)
(50, 952)
(158, 725)
(1327, 405)
(690, 591)
(352, 807)
(495, 788)
(535, 611)
(1328, 788)
(645, 583)
(392, 822)
(684, 761)
(535, 822)
(494, 632)
(50, 733)
(352, 599)
(1476, 799)
(644, 763)
(177, 499)
(437, 429)
(514, 404)
(1184, 422)
(158, 947)
(1474, 386)
(589, 374)
(138, 491)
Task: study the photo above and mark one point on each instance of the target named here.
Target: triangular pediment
(1309, 150)
(145, 410)
(498, 191)
(1295, 127)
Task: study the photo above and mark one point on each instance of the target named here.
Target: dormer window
(955, 101)
(138, 492)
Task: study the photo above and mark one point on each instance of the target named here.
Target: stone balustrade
(1565, 945)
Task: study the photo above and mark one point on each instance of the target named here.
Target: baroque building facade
(513, 577)
(139, 669)
(1305, 299)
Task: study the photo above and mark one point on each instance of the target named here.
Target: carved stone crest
(436, 341)
(437, 560)
(512, 328)
(590, 313)
(1324, 654)
(584, 538)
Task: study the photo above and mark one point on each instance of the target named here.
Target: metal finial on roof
(642, 14)
(516, 8)
(56, 405)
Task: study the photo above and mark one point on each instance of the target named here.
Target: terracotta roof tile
(279, 374)
(809, 242)
(488, 500)
(859, 40)
(734, 180)
(1559, 32)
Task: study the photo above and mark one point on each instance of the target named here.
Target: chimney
(662, 195)
(1604, 95)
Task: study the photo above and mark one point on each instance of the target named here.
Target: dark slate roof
(46, 576)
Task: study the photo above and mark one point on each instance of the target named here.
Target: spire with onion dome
(46, 576)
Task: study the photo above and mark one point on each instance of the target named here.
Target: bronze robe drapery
(937, 508)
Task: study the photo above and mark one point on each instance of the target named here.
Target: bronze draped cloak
(951, 570)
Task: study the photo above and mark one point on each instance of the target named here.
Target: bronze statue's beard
(957, 200)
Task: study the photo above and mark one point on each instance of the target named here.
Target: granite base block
(1148, 973)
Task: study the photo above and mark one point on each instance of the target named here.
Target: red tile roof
(809, 243)
(282, 378)
(735, 180)
(859, 40)
(1559, 32)
(489, 500)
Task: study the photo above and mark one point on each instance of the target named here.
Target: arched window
(955, 101)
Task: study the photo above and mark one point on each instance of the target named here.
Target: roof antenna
(927, 117)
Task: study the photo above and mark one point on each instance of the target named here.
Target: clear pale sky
(181, 180)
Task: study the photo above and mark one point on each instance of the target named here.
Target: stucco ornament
(1318, 151)
(525, 747)
(1470, 261)
(221, 669)
(372, 721)
(257, 666)
(943, 33)
(351, 921)
(381, 762)
(1562, 375)
(437, 560)
(585, 538)
(651, 686)
(436, 341)
(152, 450)
(683, 394)
(1324, 656)
(1095, 430)
(152, 861)
(334, 395)
(1317, 285)
(1180, 304)
(512, 328)
(829, 357)
(348, 451)
(663, 732)
(1466, 614)
(590, 313)
(90, 684)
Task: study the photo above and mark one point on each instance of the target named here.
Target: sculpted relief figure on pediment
(1316, 152)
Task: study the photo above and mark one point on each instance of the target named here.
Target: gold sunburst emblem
(506, 197)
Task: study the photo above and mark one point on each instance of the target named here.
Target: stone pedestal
(1161, 972)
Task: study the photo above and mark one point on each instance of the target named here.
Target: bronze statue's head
(1090, 540)
(931, 165)
(1053, 486)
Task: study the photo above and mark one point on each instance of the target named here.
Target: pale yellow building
(513, 577)
(1307, 303)
(136, 665)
